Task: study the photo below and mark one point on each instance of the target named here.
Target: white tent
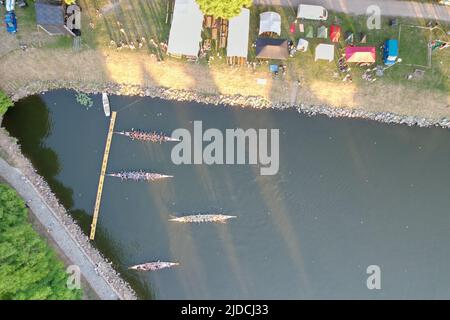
(302, 45)
(10, 4)
(186, 29)
(324, 52)
(238, 29)
(270, 22)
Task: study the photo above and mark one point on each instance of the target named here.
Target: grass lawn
(414, 45)
(26, 18)
(130, 20)
(136, 18)
(413, 48)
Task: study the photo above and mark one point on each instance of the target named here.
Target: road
(388, 7)
(57, 230)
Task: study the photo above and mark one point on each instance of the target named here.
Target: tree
(223, 9)
(29, 269)
(5, 103)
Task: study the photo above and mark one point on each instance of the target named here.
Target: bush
(223, 9)
(29, 268)
(5, 103)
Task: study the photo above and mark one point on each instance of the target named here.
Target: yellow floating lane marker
(102, 174)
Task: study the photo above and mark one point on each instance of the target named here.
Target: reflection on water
(349, 194)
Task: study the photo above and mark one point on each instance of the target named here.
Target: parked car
(11, 22)
(306, 11)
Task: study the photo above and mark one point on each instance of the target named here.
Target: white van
(306, 11)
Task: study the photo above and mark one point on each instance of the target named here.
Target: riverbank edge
(256, 102)
(99, 265)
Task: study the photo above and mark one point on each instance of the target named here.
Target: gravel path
(57, 230)
(388, 7)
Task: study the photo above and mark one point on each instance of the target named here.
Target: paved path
(388, 7)
(57, 230)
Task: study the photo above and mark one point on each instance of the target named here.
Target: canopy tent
(302, 45)
(238, 30)
(269, 22)
(324, 52)
(335, 33)
(360, 54)
(186, 29)
(50, 18)
(322, 32)
(267, 48)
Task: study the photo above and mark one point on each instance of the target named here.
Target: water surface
(349, 194)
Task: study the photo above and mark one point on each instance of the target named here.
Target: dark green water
(349, 194)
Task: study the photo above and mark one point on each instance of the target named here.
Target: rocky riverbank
(10, 151)
(230, 100)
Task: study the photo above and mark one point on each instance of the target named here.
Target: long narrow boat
(139, 176)
(153, 266)
(141, 135)
(202, 218)
(106, 107)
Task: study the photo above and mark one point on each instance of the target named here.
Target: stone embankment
(231, 100)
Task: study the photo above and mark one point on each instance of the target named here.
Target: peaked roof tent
(349, 37)
(309, 31)
(267, 48)
(322, 32)
(269, 22)
(186, 29)
(50, 17)
(360, 54)
(238, 30)
(335, 33)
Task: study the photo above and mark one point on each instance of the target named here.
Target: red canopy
(360, 54)
(335, 33)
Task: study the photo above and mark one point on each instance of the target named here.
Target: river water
(349, 194)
